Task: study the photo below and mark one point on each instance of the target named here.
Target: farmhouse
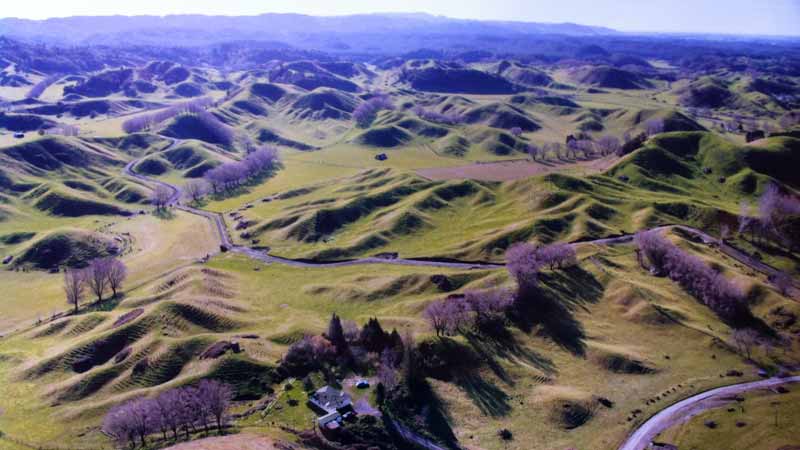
(335, 403)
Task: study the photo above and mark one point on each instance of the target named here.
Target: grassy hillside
(610, 345)
(619, 325)
(685, 177)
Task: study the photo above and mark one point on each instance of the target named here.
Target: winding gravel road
(640, 438)
(260, 255)
(692, 406)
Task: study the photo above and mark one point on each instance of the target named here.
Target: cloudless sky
(781, 17)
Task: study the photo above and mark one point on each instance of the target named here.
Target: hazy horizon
(739, 17)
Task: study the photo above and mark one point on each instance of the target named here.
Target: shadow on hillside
(489, 398)
(108, 304)
(574, 286)
(458, 362)
(505, 345)
(437, 419)
(551, 306)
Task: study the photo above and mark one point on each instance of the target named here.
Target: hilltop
(497, 235)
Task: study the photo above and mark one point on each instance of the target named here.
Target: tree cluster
(715, 291)
(231, 175)
(144, 122)
(366, 112)
(160, 196)
(479, 311)
(180, 410)
(524, 261)
(589, 148)
(608, 145)
(101, 275)
(487, 311)
(344, 345)
(778, 219)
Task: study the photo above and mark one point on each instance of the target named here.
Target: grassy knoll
(611, 345)
(617, 326)
(185, 311)
(693, 178)
(153, 247)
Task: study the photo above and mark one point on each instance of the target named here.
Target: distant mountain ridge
(299, 30)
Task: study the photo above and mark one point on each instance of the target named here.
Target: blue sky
(780, 17)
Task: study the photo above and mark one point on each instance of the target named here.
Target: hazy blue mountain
(295, 29)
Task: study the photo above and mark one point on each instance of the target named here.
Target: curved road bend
(692, 406)
(646, 432)
(225, 239)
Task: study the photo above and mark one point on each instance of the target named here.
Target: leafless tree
(97, 277)
(215, 397)
(74, 286)
(160, 197)
(387, 374)
(117, 272)
(745, 339)
(608, 145)
(533, 150)
(195, 190)
(117, 423)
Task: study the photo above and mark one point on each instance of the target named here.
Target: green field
(620, 344)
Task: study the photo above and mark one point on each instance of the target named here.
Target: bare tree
(215, 397)
(608, 145)
(97, 277)
(117, 272)
(387, 374)
(117, 423)
(160, 197)
(436, 316)
(195, 190)
(74, 286)
(145, 121)
(745, 339)
(533, 150)
(522, 263)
